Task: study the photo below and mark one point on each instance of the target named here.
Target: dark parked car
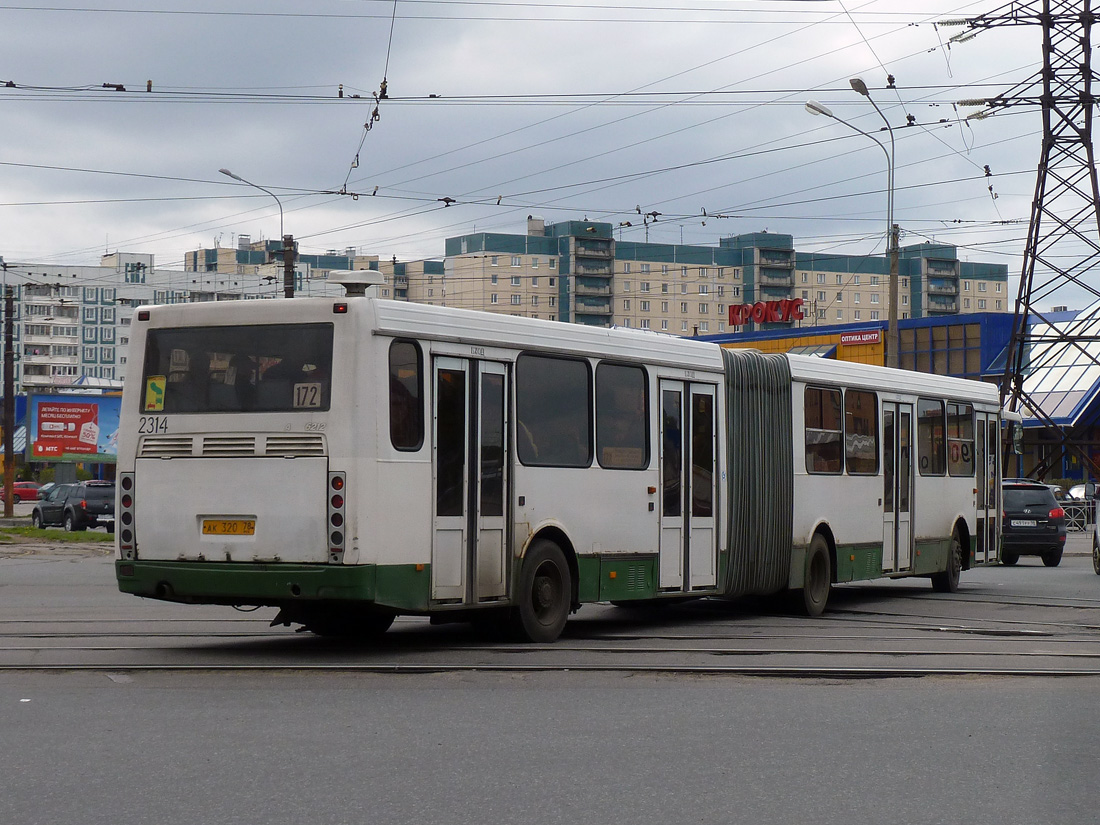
(1033, 523)
(77, 506)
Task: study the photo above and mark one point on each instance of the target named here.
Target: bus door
(987, 434)
(689, 541)
(897, 493)
(469, 468)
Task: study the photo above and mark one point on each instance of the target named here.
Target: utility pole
(288, 266)
(893, 346)
(9, 402)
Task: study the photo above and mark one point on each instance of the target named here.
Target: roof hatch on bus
(356, 282)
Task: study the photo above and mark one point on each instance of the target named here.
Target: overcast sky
(560, 110)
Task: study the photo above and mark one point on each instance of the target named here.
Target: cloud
(558, 111)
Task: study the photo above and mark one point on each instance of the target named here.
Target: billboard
(73, 428)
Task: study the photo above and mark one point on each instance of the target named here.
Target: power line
(534, 12)
(167, 94)
(329, 98)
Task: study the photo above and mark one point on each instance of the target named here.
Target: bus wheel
(545, 594)
(1095, 556)
(819, 577)
(948, 580)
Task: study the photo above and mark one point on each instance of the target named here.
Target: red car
(22, 491)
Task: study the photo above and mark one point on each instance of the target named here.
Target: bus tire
(1095, 556)
(947, 581)
(819, 577)
(545, 594)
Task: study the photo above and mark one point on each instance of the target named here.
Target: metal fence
(1079, 514)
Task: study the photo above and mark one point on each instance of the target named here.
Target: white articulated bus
(348, 460)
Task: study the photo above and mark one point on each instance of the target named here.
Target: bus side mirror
(1018, 437)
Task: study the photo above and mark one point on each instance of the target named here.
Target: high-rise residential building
(576, 271)
(73, 321)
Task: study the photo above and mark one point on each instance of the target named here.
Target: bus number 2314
(152, 424)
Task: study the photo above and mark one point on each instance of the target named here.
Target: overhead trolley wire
(537, 12)
(393, 18)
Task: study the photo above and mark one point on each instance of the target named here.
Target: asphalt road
(205, 715)
(547, 748)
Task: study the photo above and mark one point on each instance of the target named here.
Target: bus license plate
(1024, 522)
(228, 527)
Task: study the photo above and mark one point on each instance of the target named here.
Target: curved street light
(257, 186)
(815, 108)
(288, 243)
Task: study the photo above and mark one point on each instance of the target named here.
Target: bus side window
(406, 377)
(930, 437)
(960, 440)
(824, 442)
(861, 432)
(622, 434)
(553, 411)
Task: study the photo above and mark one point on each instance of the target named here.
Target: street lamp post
(815, 108)
(288, 240)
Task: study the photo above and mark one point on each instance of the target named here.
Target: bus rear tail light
(336, 517)
(127, 540)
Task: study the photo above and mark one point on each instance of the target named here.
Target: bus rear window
(262, 368)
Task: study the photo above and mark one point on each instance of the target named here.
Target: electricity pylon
(1063, 240)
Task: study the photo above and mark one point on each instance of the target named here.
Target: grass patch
(23, 535)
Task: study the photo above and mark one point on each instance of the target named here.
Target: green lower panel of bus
(857, 562)
(402, 586)
(616, 578)
(930, 555)
(861, 562)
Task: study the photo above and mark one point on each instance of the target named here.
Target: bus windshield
(262, 368)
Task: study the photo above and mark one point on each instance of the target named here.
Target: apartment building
(71, 324)
(73, 321)
(576, 271)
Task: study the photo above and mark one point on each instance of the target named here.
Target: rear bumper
(236, 583)
(1033, 545)
(400, 587)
